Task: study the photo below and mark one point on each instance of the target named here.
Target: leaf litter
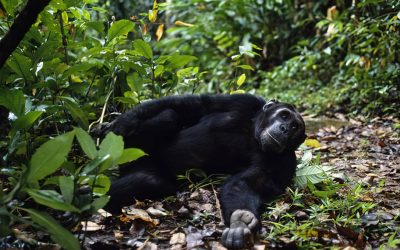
(366, 153)
(357, 152)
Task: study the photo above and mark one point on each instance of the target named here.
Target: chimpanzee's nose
(284, 128)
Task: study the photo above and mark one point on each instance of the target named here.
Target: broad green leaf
(14, 100)
(312, 173)
(86, 142)
(9, 6)
(21, 65)
(27, 120)
(50, 156)
(143, 48)
(51, 198)
(76, 12)
(112, 145)
(99, 203)
(178, 61)
(241, 80)
(86, 14)
(64, 17)
(67, 187)
(120, 28)
(101, 185)
(76, 112)
(60, 235)
(131, 154)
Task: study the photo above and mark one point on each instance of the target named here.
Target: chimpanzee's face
(279, 128)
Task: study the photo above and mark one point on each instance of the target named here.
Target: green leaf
(64, 17)
(60, 235)
(9, 6)
(311, 173)
(99, 203)
(21, 65)
(178, 61)
(120, 28)
(112, 145)
(101, 185)
(245, 66)
(50, 156)
(95, 163)
(51, 198)
(131, 154)
(13, 100)
(241, 80)
(76, 112)
(143, 48)
(27, 120)
(238, 91)
(67, 188)
(86, 142)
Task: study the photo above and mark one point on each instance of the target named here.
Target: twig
(20, 27)
(217, 204)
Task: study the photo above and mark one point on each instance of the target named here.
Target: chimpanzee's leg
(144, 181)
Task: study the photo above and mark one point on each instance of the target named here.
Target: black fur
(234, 134)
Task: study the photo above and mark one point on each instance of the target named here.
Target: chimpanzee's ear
(269, 104)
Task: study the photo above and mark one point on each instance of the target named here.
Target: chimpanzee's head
(279, 127)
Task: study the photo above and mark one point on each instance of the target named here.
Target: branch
(20, 27)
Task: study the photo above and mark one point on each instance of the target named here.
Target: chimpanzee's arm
(242, 197)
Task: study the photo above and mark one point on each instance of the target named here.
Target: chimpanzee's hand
(240, 233)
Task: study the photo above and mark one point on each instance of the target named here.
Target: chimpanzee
(241, 134)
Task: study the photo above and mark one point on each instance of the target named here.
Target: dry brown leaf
(160, 32)
(180, 23)
(156, 212)
(178, 238)
(135, 213)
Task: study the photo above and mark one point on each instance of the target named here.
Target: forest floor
(357, 206)
(362, 212)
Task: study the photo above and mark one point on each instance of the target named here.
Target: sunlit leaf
(130, 154)
(312, 173)
(113, 146)
(160, 31)
(120, 28)
(143, 48)
(50, 156)
(241, 80)
(239, 91)
(313, 143)
(180, 23)
(245, 66)
(86, 142)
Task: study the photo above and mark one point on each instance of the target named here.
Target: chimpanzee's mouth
(274, 139)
